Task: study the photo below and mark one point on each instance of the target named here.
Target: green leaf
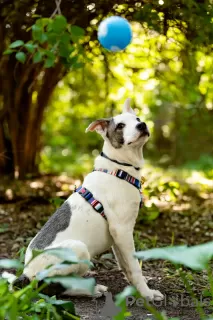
(43, 38)
(56, 201)
(76, 33)
(65, 254)
(3, 287)
(8, 51)
(150, 213)
(121, 303)
(73, 60)
(10, 263)
(30, 47)
(153, 215)
(65, 50)
(65, 38)
(73, 282)
(206, 293)
(35, 253)
(128, 291)
(21, 56)
(44, 273)
(27, 291)
(77, 65)
(37, 33)
(59, 24)
(36, 15)
(196, 257)
(43, 22)
(3, 227)
(52, 37)
(37, 57)
(13, 310)
(51, 55)
(67, 305)
(49, 62)
(16, 44)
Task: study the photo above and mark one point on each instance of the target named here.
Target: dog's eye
(120, 126)
(138, 119)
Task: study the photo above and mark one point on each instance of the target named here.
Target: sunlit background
(171, 89)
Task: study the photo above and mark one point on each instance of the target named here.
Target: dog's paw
(154, 295)
(99, 290)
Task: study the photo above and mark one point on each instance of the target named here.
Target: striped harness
(97, 205)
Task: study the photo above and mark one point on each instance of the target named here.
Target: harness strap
(123, 175)
(97, 205)
(88, 196)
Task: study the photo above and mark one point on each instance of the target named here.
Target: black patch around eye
(120, 126)
(138, 119)
(115, 136)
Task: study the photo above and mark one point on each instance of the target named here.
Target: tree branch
(57, 9)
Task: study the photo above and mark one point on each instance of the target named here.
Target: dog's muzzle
(142, 127)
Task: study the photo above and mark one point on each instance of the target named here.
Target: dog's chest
(122, 197)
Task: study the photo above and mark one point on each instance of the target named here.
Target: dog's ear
(127, 107)
(99, 126)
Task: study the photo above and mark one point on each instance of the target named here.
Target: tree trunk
(20, 128)
(6, 155)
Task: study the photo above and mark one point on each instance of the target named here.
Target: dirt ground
(25, 207)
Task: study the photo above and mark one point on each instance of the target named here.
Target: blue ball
(114, 33)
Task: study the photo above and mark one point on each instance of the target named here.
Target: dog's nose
(141, 126)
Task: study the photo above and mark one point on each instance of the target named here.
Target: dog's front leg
(124, 243)
(121, 262)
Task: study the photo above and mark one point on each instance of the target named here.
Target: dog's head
(123, 130)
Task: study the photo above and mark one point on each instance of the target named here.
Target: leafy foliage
(173, 104)
(30, 303)
(75, 283)
(196, 258)
(52, 39)
(121, 302)
(167, 69)
(8, 264)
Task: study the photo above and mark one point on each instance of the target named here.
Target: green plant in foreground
(29, 302)
(196, 258)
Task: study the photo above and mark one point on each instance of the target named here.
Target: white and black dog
(77, 225)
